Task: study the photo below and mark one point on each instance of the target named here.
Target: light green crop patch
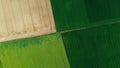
(39, 52)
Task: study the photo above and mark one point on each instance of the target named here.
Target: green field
(97, 47)
(39, 52)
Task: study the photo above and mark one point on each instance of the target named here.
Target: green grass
(39, 52)
(97, 47)
(74, 14)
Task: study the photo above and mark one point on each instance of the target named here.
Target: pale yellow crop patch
(25, 18)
